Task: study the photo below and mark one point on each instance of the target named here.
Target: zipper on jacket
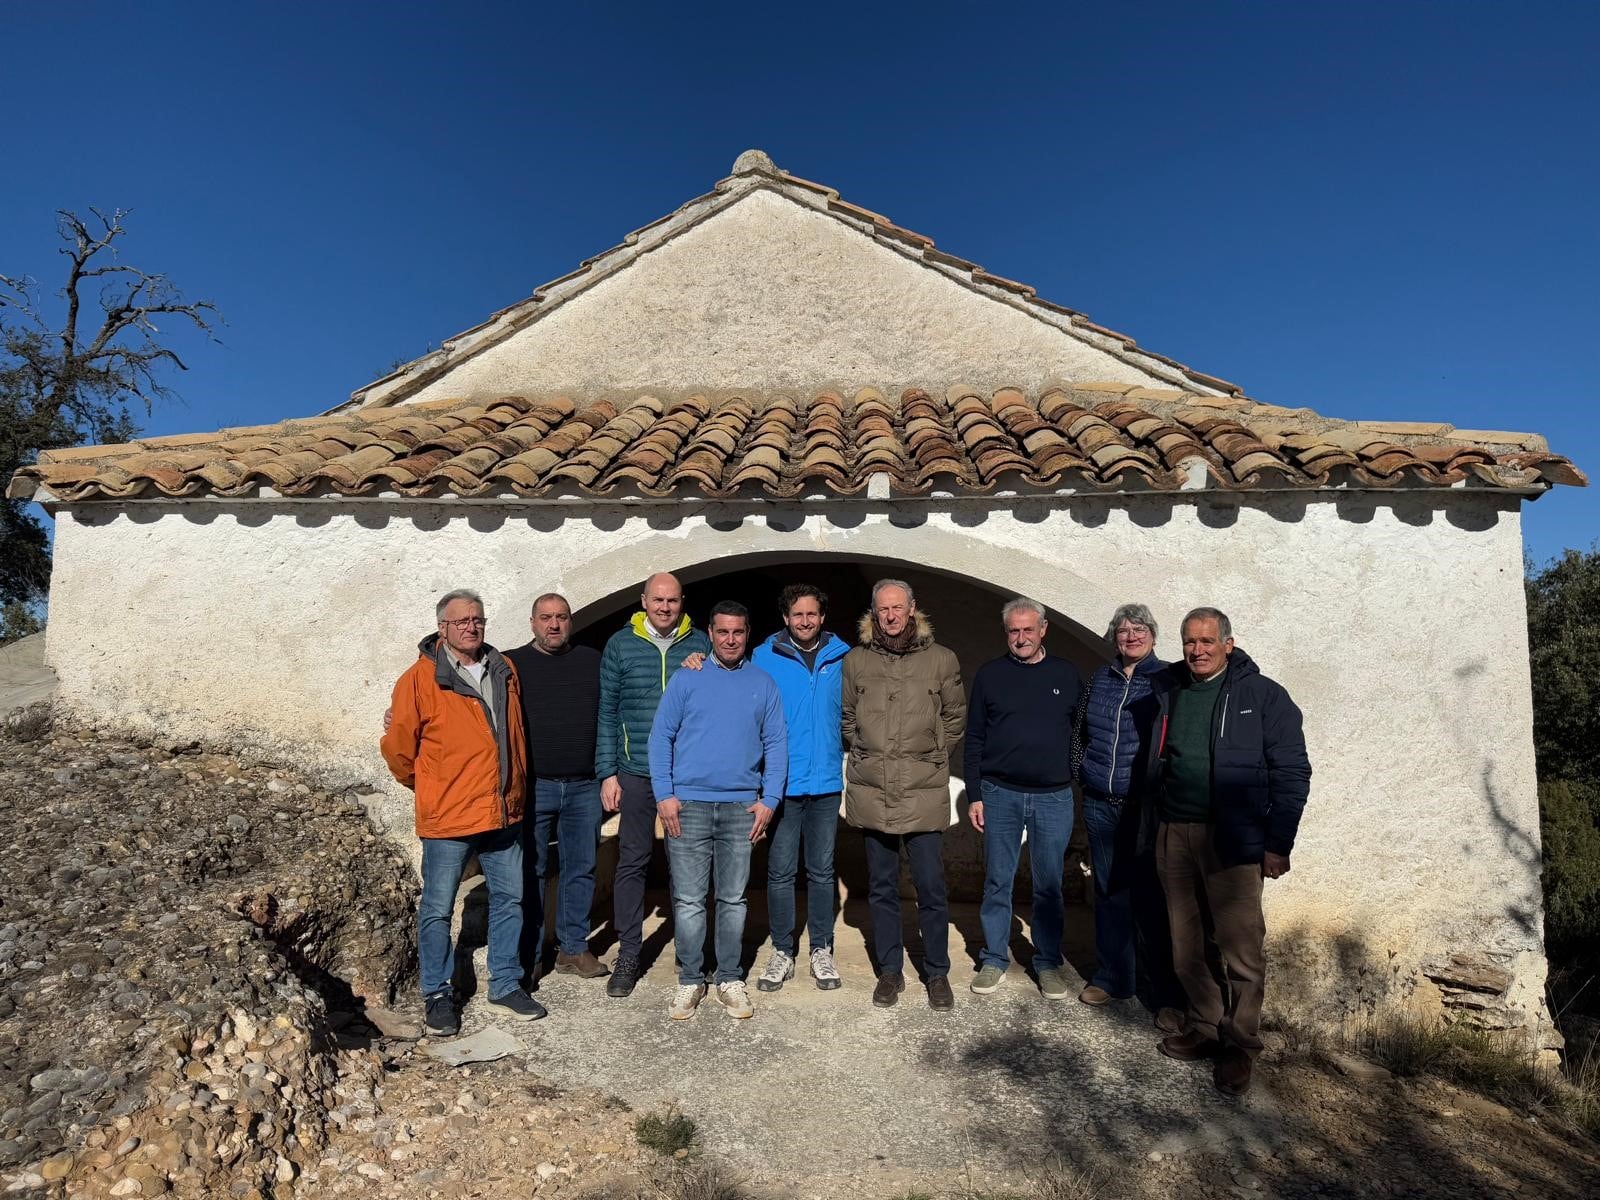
(1116, 739)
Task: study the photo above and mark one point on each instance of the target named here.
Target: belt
(566, 778)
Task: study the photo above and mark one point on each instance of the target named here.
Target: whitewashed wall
(1401, 633)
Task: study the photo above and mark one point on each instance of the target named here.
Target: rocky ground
(205, 990)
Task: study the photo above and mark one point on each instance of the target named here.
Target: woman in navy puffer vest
(1133, 953)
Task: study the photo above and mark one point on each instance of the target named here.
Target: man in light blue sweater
(718, 759)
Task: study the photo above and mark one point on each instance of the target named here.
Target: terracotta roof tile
(1082, 436)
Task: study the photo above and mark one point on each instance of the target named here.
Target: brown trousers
(1218, 933)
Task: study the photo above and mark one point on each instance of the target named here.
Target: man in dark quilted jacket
(1234, 777)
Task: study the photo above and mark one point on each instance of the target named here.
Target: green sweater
(1186, 791)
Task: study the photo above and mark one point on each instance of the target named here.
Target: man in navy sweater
(1018, 763)
(718, 761)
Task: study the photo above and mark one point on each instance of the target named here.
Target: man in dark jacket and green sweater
(634, 670)
(1234, 776)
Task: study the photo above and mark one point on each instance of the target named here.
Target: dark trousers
(636, 841)
(1218, 933)
(1132, 942)
(926, 853)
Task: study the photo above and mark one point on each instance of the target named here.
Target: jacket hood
(1241, 664)
(924, 629)
(640, 623)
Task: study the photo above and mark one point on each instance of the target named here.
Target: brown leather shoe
(1189, 1047)
(1231, 1074)
(940, 996)
(887, 993)
(1170, 1020)
(584, 966)
(1095, 996)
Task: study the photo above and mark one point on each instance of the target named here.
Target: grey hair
(1224, 626)
(893, 583)
(459, 594)
(1022, 604)
(1137, 614)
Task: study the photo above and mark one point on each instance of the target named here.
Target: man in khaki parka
(904, 708)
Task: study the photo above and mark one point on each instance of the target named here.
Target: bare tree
(82, 380)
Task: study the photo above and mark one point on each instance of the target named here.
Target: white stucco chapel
(772, 383)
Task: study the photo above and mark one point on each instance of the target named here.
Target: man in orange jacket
(456, 740)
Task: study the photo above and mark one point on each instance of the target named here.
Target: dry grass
(1496, 1065)
(670, 1134)
(1057, 1179)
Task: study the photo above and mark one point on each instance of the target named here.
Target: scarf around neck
(900, 643)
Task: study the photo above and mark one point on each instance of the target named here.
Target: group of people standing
(1193, 779)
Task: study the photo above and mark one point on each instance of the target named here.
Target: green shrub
(1569, 812)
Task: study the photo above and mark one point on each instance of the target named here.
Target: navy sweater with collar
(1019, 725)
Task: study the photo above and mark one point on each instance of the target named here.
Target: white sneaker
(778, 971)
(735, 999)
(823, 970)
(685, 1000)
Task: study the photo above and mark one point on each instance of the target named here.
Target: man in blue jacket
(1234, 777)
(718, 756)
(634, 669)
(805, 660)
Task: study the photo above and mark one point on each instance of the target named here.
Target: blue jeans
(713, 849)
(1047, 818)
(569, 809)
(499, 853)
(814, 820)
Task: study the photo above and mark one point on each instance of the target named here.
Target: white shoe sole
(764, 984)
(737, 1015)
(985, 991)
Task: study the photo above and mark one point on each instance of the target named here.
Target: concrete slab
(24, 679)
(821, 1084)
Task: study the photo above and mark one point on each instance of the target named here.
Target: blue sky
(1381, 211)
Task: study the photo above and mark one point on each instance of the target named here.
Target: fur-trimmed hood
(924, 629)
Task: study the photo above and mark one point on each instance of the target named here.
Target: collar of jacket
(444, 672)
(640, 624)
(782, 643)
(923, 640)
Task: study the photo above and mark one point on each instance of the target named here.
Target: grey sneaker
(685, 1000)
(823, 970)
(519, 1005)
(778, 971)
(1054, 984)
(987, 980)
(733, 997)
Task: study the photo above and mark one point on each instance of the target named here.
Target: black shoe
(624, 977)
(887, 993)
(940, 996)
(442, 1019)
(517, 1003)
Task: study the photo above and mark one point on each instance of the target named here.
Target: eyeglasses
(466, 623)
(1134, 631)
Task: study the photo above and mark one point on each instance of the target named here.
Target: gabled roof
(1109, 437)
(755, 171)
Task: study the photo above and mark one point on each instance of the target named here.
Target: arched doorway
(966, 616)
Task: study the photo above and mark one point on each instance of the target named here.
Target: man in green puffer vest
(638, 660)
